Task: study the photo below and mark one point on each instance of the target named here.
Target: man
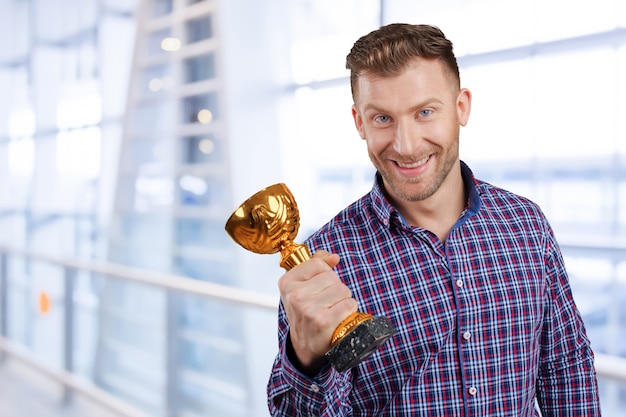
(470, 275)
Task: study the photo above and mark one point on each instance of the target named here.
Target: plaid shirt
(486, 324)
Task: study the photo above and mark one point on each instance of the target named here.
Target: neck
(439, 212)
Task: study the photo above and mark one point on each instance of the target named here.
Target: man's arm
(313, 303)
(567, 384)
(292, 393)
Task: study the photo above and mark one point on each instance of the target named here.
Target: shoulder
(515, 221)
(497, 201)
(491, 202)
(505, 212)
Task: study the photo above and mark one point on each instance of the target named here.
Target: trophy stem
(293, 254)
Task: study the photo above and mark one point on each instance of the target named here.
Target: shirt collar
(473, 195)
(386, 213)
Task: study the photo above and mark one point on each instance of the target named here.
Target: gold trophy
(267, 223)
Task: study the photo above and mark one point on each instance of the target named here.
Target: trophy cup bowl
(268, 223)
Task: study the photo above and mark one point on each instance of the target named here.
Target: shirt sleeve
(291, 393)
(567, 384)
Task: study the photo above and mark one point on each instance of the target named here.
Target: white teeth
(414, 164)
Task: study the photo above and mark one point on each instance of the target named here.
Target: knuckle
(297, 298)
(282, 283)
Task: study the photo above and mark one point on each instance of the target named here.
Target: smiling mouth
(415, 164)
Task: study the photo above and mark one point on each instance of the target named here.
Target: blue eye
(425, 113)
(383, 119)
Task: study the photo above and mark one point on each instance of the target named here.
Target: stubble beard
(406, 190)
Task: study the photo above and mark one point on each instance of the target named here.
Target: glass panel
(155, 41)
(153, 117)
(86, 322)
(612, 397)
(155, 79)
(199, 68)
(305, 154)
(147, 235)
(320, 39)
(142, 151)
(501, 25)
(217, 362)
(621, 203)
(152, 190)
(200, 401)
(78, 153)
(21, 156)
(201, 149)
(201, 108)
(208, 234)
(212, 270)
(199, 29)
(44, 329)
(13, 230)
(220, 320)
(20, 310)
(161, 7)
(198, 191)
(138, 336)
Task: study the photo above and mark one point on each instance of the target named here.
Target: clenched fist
(315, 301)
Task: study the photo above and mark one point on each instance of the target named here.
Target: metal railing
(607, 366)
(71, 267)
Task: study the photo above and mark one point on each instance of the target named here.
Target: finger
(322, 291)
(318, 264)
(334, 291)
(345, 307)
(330, 259)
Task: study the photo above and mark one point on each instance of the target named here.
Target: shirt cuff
(310, 387)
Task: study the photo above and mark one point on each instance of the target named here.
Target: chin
(409, 192)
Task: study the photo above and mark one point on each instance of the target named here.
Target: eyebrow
(422, 104)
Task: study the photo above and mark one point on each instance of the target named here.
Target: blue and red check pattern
(486, 324)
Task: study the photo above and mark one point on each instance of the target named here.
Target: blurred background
(131, 129)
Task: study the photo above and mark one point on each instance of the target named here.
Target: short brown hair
(387, 50)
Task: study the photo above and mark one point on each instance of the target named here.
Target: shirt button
(473, 391)
(315, 388)
(459, 283)
(467, 335)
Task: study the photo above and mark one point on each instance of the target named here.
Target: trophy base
(357, 345)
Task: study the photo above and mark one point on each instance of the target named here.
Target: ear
(464, 106)
(358, 121)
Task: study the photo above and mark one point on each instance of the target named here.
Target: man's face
(411, 125)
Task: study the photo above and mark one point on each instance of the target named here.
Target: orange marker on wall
(44, 303)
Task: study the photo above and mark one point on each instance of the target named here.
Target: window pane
(201, 191)
(201, 149)
(155, 79)
(153, 117)
(199, 68)
(199, 29)
(161, 7)
(208, 234)
(213, 270)
(155, 40)
(195, 108)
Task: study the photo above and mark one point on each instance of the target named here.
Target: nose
(406, 137)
